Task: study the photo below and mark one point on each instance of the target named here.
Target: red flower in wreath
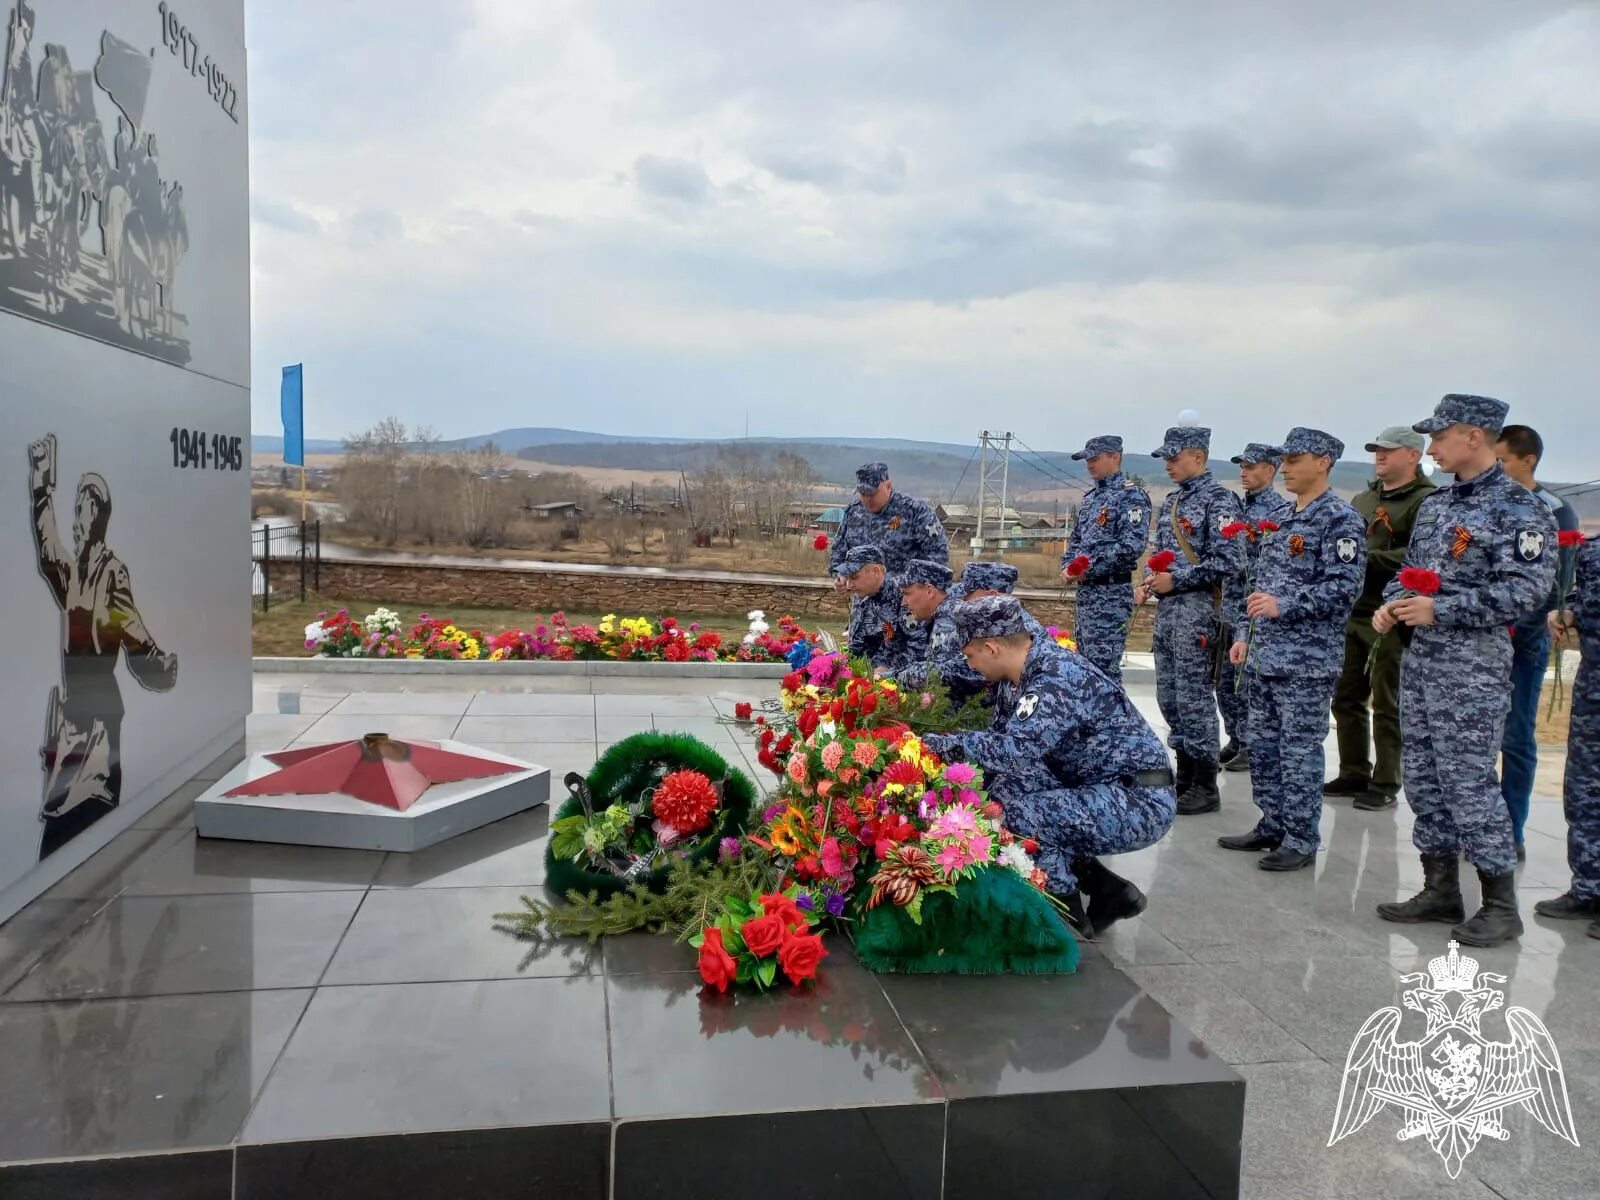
(1161, 561)
(717, 966)
(903, 773)
(1234, 528)
(1297, 545)
(685, 800)
(1420, 580)
(1078, 565)
(821, 543)
(764, 934)
(800, 954)
(1569, 539)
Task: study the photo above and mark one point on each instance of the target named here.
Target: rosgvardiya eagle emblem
(1452, 1085)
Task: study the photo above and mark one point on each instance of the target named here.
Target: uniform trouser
(1087, 821)
(1233, 696)
(1099, 624)
(1288, 725)
(1186, 645)
(1580, 794)
(1455, 690)
(1359, 731)
(1519, 756)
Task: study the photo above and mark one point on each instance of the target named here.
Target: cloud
(900, 215)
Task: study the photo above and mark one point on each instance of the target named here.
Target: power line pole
(994, 480)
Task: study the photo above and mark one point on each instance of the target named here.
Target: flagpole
(302, 494)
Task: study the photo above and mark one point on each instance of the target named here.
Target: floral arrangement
(626, 838)
(381, 635)
(755, 939)
(1061, 637)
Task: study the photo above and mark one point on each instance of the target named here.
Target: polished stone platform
(194, 1019)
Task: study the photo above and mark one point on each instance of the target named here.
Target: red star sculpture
(376, 769)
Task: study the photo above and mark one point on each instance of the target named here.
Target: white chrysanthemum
(749, 639)
(1015, 857)
(315, 633)
(755, 614)
(759, 627)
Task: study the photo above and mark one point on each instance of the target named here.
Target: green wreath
(621, 775)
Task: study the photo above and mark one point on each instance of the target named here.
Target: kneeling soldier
(925, 591)
(1067, 755)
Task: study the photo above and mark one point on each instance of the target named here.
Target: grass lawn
(281, 631)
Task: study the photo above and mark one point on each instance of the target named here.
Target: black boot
(1202, 795)
(1235, 756)
(1075, 916)
(1185, 772)
(1567, 907)
(1230, 750)
(1439, 899)
(1498, 920)
(1111, 897)
(1249, 841)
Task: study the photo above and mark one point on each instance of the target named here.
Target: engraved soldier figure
(82, 750)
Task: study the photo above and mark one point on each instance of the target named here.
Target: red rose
(742, 710)
(1419, 580)
(1161, 561)
(1078, 566)
(776, 904)
(763, 934)
(1569, 538)
(716, 965)
(821, 543)
(800, 955)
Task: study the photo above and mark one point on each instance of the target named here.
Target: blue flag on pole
(291, 400)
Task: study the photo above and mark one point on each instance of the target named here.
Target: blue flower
(804, 901)
(799, 654)
(836, 905)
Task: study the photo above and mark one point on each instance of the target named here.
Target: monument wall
(124, 416)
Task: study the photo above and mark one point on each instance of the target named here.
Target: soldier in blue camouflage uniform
(1111, 528)
(1258, 467)
(925, 591)
(1189, 617)
(877, 624)
(1068, 756)
(1493, 544)
(980, 579)
(1580, 793)
(1308, 576)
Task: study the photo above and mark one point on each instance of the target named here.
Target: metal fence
(298, 544)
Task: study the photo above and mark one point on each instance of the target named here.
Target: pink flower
(926, 700)
(959, 773)
(865, 754)
(833, 755)
(952, 858)
(797, 768)
(979, 847)
(665, 834)
(954, 822)
(969, 798)
(837, 861)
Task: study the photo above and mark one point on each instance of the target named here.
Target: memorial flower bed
(555, 639)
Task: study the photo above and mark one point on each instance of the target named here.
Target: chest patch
(1346, 549)
(1530, 545)
(1105, 515)
(1026, 705)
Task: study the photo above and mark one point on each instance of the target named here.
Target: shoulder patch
(1346, 549)
(1135, 515)
(1026, 705)
(1530, 545)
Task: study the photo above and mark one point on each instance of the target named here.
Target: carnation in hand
(821, 543)
(1568, 539)
(1267, 527)
(1078, 566)
(1161, 561)
(1420, 580)
(1234, 528)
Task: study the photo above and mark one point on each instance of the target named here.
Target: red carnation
(742, 710)
(1267, 526)
(821, 543)
(1234, 528)
(1569, 538)
(808, 721)
(794, 681)
(685, 800)
(716, 965)
(1078, 566)
(800, 954)
(1419, 580)
(1162, 561)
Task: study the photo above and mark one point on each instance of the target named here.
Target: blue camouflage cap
(1183, 437)
(988, 577)
(1302, 440)
(1260, 452)
(1457, 409)
(925, 570)
(989, 617)
(861, 556)
(869, 476)
(1104, 444)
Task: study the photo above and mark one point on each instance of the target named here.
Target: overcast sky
(919, 219)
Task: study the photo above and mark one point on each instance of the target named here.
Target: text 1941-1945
(207, 451)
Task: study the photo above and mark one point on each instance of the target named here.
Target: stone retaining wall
(443, 589)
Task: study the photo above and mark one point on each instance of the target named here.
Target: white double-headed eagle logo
(1452, 1085)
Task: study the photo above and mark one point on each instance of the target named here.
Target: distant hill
(261, 444)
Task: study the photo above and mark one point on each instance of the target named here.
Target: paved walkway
(1276, 973)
